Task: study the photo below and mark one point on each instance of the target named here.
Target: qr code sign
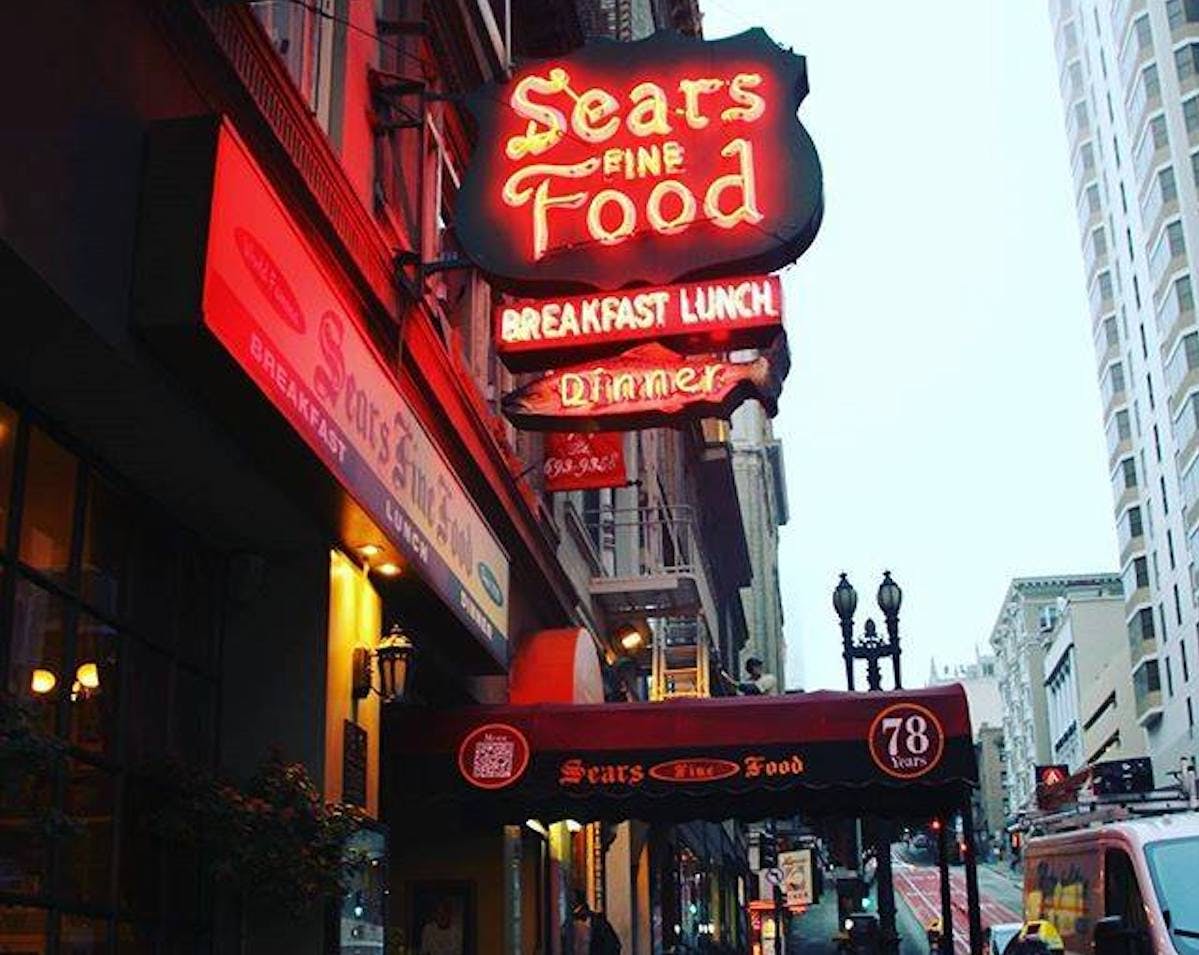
(494, 758)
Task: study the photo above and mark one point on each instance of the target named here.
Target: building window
(1169, 677)
(1136, 527)
(112, 612)
(1165, 500)
(302, 34)
(1136, 577)
(1190, 113)
(1179, 12)
(1167, 187)
(1183, 361)
(1170, 550)
(1170, 246)
(1182, 647)
(1141, 627)
(1128, 471)
(1186, 60)
(1187, 422)
(1178, 610)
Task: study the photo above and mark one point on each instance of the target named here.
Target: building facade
(762, 494)
(1088, 683)
(1025, 621)
(251, 423)
(1129, 79)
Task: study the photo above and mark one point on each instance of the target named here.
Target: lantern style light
(630, 637)
(394, 654)
(845, 599)
(890, 596)
(43, 681)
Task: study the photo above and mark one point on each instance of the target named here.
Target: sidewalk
(812, 933)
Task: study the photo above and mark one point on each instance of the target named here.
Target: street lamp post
(872, 647)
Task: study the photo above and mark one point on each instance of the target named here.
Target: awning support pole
(886, 887)
(946, 906)
(971, 861)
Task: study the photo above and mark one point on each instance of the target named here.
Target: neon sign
(646, 386)
(642, 163)
(737, 313)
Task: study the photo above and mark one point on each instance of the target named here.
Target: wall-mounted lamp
(393, 657)
(43, 682)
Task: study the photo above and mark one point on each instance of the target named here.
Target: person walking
(601, 936)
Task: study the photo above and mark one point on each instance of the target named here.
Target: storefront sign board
(721, 315)
(647, 386)
(642, 163)
(274, 305)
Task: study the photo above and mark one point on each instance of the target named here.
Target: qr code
(493, 759)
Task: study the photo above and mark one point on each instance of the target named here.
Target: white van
(1123, 888)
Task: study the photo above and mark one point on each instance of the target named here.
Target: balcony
(1149, 707)
(1176, 315)
(651, 559)
(1133, 54)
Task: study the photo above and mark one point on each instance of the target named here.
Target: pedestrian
(601, 936)
(758, 683)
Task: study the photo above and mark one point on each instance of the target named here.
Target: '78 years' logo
(906, 740)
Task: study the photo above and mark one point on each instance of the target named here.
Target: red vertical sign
(575, 461)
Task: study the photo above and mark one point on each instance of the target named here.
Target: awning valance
(898, 753)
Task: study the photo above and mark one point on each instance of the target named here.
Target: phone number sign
(906, 740)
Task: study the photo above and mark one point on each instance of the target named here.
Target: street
(918, 887)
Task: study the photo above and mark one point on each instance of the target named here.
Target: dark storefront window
(108, 620)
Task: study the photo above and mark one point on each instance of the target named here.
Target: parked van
(1122, 888)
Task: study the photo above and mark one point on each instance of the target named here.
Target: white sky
(941, 419)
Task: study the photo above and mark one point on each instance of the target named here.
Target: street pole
(886, 888)
(778, 893)
(946, 907)
(971, 861)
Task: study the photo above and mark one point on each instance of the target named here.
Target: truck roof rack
(1105, 793)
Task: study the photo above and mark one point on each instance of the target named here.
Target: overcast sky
(942, 418)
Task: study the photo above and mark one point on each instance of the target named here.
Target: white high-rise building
(762, 493)
(1129, 78)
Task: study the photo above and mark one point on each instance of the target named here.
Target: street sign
(768, 881)
(797, 876)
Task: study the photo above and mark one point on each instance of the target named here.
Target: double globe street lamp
(870, 646)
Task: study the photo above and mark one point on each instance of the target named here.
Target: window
(1081, 120)
(1169, 677)
(1135, 526)
(1186, 60)
(1183, 361)
(1122, 896)
(1128, 471)
(1092, 196)
(1113, 382)
(303, 36)
(1170, 547)
(1099, 242)
(1182, 644)
(1149, 386)
(1187, 422)
(1178, 620)
(1190, 113)
(1165, 500)
(1136, 576)
(1184, 293)
(104, 616)
(1141, 627)
(1111, 337)
(1151, 82)
(1179, 12)
(1170, 246)
(1166, 185)
(1144, 348)
(1088, 157)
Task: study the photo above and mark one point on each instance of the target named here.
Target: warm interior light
(88, 676)
(43, 682)
(573, 825)
(630, 637)
(537, 826)
(389, 569)
(370, 550)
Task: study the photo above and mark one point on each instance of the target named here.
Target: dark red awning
(900, 753)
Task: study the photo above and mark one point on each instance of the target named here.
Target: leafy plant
(28, 757)
(275, 840)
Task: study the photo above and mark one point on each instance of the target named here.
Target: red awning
(899, 753)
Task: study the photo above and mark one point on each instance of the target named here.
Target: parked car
(1000, 934)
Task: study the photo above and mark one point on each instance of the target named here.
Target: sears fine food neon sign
(644, 162)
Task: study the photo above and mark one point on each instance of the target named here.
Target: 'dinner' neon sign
(636, 163)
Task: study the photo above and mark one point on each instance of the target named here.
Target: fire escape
(654, 574)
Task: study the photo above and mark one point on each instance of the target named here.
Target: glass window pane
(24, 850)
(151, 591)
(23, 930)
(49, 506)
(105, 546)
(83, 935)
(95, 686)
(35, 660)
(141, 873)
(149, 682)
(134, 938)
(192, 720)
(87, 852)
(8, 443)
(199, 594)
(181, 884)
